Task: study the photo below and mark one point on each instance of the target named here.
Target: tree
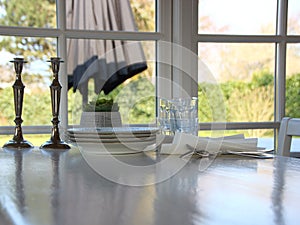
(239, 61)
(42, 14)
(144, 12)
(33, 13)
(293, 96)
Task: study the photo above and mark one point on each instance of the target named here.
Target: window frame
(280, 39)
(62, 34)
(171, 16)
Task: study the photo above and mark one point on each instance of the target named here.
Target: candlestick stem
(55, 90)
(18, 141)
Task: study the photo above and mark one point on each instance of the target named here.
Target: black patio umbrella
(108, 62)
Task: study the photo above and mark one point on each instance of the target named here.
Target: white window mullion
(281, 59)
(164, 50)
(62, 52)
(185, 72)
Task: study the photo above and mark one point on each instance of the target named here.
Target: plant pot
(100, 119)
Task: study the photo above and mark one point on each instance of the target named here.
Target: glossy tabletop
(43, 188)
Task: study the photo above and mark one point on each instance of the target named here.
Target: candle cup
(18, 141)
(55, 90)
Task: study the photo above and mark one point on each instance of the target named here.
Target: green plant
(101, 104)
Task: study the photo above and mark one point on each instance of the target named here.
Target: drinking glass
(164, 116)
(178, 115)
(184, 115)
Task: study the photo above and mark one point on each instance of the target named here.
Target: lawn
(35, 139)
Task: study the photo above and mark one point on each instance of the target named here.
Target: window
(62, 28)
(122, 41)
(250, 50)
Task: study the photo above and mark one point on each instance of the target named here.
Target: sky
(249, 17)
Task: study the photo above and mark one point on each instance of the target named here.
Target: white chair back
(289, 127)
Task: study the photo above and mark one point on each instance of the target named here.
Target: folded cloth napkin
(212, 145)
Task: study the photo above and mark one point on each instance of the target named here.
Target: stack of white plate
(116, 140)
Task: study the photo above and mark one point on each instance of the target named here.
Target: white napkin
(179, 144)
(212, 145)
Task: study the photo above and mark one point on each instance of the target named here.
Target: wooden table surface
(43, 188)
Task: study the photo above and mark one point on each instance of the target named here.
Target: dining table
(62, 187)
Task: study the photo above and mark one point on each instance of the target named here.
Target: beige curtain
(108, 62)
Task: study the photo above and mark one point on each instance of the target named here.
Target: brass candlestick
(55, 89)
(18, 87)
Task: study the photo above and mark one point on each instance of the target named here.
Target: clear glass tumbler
(184, 115)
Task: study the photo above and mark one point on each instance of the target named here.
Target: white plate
(115, 148)
(110, 140)
(125, 137)
(115, 130)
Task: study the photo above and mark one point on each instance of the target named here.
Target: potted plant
(101, 112)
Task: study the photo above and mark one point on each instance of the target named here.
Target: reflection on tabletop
(39, 187)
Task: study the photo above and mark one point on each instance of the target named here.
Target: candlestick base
(22, 144)
(59, 145)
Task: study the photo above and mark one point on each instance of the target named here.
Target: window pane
(294, 17)
(293, 81)
(295, 145)
(135, 96)
(116, 15)
(36, 77)
(33, 13)
(236, 82)
(237, 17)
